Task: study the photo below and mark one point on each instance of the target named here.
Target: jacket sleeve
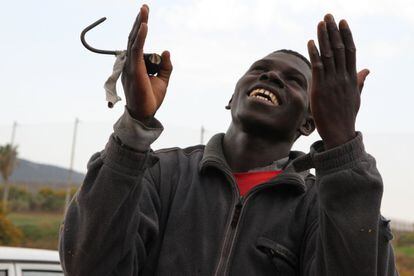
(347, 235)
(113, 217)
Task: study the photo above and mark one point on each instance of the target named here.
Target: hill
(32, 172)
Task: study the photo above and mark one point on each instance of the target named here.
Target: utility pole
(202, 134)
(72, 158)
(10, 158)
(13, 135)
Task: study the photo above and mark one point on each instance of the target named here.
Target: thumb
(165, 67)
(361, 76)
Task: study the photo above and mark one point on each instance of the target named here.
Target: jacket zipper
(228, 236)
(228, 246)
(238, 211)
(232, 229)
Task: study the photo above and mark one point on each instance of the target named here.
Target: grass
(40, 229)
(407, 251)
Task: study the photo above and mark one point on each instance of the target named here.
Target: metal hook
(90, 48)
(152, 61)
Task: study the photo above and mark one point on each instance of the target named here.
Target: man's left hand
(336, 85)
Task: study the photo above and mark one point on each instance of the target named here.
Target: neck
(246, 151)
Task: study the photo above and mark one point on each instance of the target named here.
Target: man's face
(271, 97)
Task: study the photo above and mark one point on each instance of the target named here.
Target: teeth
(256, 93)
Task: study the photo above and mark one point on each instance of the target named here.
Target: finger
(325, 48)
(316, 62)
(336, 43)
(165, 67)
(141, 17)
(132, 34)
(350, 50)
(137, 50)
(361, 76)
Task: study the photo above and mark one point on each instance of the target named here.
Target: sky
(48, 79)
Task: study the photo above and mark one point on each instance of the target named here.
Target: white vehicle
(17, 261)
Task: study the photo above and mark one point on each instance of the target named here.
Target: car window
(38, 269)
(6, 269)
(41, 273)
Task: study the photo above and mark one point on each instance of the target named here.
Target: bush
(50, 199)
(9, 233)
(19, 199)
(42, 199)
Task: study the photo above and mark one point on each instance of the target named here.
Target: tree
(8, 161)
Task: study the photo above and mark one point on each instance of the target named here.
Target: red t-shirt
(248, 180)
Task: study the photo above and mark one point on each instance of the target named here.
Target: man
(244, 204)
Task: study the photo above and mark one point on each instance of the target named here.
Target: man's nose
(272, 77)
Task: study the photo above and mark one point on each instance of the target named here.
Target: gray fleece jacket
(179, 212)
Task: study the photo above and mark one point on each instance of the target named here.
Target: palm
(155, 89)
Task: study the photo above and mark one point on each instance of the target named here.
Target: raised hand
(336, 85)
(144, 94)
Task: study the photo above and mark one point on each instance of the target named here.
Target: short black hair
(296, 54)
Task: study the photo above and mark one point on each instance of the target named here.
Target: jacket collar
(297, 167)
(213, 154)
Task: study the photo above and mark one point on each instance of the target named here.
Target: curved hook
(152, 61)
(90, 48)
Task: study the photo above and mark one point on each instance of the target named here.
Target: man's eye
(295, 79)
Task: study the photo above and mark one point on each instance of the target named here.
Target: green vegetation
(42, 199)
(40, 229)
(9, 233)
(404, 251)
(33, 218)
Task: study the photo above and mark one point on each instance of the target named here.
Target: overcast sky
(48, 78)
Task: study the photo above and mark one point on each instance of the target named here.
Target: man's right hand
(144, 94)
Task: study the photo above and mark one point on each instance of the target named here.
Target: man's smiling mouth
(264, 95)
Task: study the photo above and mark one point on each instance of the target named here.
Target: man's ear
(308, 126)
(228, 106)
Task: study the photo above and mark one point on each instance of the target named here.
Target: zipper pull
(236, 214)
